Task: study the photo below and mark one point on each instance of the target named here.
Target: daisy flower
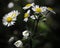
(25, 34)
(51, 10)
(26, 15)
(10, 18)
(28, 6)
(18, 43)
(37, 9)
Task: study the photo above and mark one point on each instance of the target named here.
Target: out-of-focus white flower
(26, 15)
(28, 6)
(18, 43)
(51, 10)
(10, 5)
(10, 18)
(25, 34)
(47, 8)
(33, 17)
(11, 39)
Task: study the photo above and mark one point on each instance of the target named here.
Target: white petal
(17, 13)
(5, 23)
(53, 11)
(12, 23)
(32, 17)
(25, 19)
(28, 11)
(25, 8)
(37, 6)
(33, 9)
(32, 4)
(43, 9)
(9, 24)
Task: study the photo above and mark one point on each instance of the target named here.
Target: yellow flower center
(9, 19)
(38, 10)
(26, 15)
(50, 8)
(28, 5)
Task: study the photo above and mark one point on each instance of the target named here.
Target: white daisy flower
(18, 43)
(10, 5)
(28, 6)
(10, 18)
(26, 15)
(33, 17)
(25, 34)
(37, 9)
(51, 10)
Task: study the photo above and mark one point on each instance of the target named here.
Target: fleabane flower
(18, 43)
(37, 9)
(25, 34)
(28, 6)
(10, 18)
(51, 10)
(26, 15)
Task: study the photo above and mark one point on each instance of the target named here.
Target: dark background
(53, 37)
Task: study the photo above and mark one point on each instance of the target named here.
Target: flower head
(18, 43)
(26, 15)
(51, 10)
(25, 34)
(10, 18)
(28, 6)
(37, 9)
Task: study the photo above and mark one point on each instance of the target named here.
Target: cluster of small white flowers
(36, 9)
(10, 18)
(19, 43)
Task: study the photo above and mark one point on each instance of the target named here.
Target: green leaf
(42, 27)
